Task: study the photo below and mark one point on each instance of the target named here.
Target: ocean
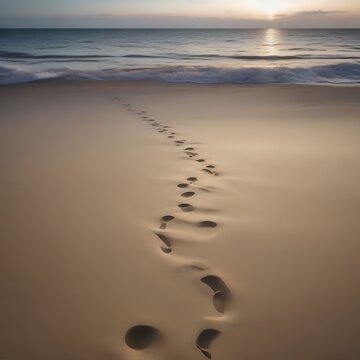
(244, 56)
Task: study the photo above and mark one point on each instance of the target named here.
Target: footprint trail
(140, 337)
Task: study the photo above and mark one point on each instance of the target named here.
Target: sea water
(189, 56)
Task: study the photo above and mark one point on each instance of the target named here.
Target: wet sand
(156, 221)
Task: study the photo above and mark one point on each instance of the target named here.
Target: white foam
(344, 73)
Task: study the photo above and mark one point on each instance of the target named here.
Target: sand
(119, 242)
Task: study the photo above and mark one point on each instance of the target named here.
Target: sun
(270, 8)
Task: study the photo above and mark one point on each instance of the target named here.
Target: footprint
(165, 219)
(207, 171)
(189, 149)
(221, 296)
(182, 185)
(207, 224)
(170, 137)
(200, 160)
(191, 153)
(140, 337)
(166, 248)
(205, 339)
(211, 167)
(179, 142)
(192, 179)
(186, 207)
(188, 194)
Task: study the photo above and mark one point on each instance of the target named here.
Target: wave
(13, 55)
(295, 57)
(140, 56)
(243, 57)
(23, 55)
(343, 73)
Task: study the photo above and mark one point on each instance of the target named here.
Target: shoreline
(163, 82)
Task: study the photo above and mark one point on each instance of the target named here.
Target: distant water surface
(200, 56)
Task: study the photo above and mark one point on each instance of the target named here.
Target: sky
(180, 13)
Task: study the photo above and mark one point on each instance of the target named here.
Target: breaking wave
(13, 55)
(343, 73)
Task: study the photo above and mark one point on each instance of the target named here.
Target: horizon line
(179, 28)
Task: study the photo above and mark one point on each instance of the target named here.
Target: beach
(223, 218)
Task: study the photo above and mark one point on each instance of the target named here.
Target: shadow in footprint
(165, 219)
(166, 247)
(182, 185)
(186, 207)
(140, 337)
(188, 194)
(207, 224)
(221, 296)
(205, 339)
(208, 171)
(192, 179)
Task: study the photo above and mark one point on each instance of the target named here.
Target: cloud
(317, 19)
(309, 13)
(103, 20)
(301, 19)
